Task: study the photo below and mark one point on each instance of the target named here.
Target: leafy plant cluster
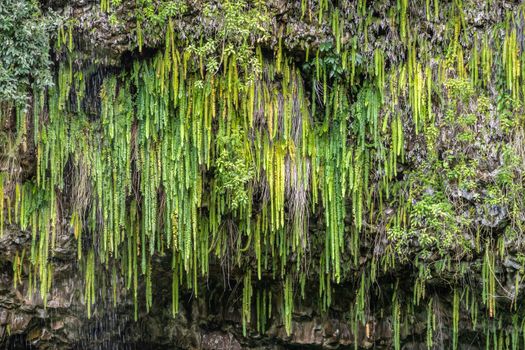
(435, 223)
(236, 26)
(158, 12)
(233, 171)
(221, 30)
(447, 193)
(24, 57)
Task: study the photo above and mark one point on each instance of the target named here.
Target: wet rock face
(219, 341)
(212, 321)
(97, 40)
(110, 40)
(205, 323)
(101, 39)
(23, 316)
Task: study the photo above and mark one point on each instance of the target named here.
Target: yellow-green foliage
(208, 160)
(89, 292)
(2, 201)
(247, 292)
(287, 309)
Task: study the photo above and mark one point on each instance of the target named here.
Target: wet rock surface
(207, 322)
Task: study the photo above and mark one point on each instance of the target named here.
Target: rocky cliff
(190, 174)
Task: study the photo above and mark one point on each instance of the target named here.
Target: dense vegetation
(25, 49)
(347, 161)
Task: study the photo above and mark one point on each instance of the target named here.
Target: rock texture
(205, 323)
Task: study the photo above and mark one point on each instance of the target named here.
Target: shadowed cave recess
(249, 174)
